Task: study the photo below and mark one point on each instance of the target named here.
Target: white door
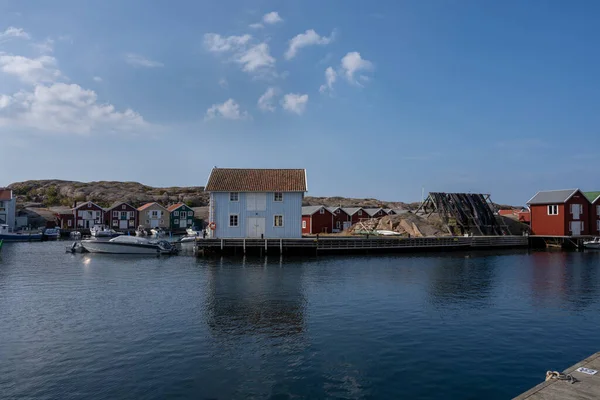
(256, 227)
(347, 224)
(153, 223)
(575, 228)
(256, 201)
(183, 223)
(123, 224)
(576, 210)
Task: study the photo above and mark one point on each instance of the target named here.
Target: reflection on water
(458, 325)
(262, 297)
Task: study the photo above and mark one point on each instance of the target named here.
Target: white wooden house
(8, 209)
(256, 203)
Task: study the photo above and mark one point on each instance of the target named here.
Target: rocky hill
(49, 193)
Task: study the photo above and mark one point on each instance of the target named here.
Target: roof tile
(256, 180)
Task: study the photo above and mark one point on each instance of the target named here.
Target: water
(451, 326)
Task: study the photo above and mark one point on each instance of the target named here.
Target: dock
(586, 387)
(346, 245)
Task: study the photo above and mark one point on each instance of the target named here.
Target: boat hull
(96, 246)
(592, 246)
(21, 237)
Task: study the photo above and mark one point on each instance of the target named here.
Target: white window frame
(176, 213)
(552, 209)
(115, 214)
(234, 197)
(183, 215)
(70, 223)
(123, 207)
(278, 197)
(598, 225)
(322, 211)
(115, 222)
(154, 213)
(275, 221)
(304, 224)
(598, 211)
(337, 211)
(237, 220)
(176, 221)
(360, 213)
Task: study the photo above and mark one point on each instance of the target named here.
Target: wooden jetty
(325, 245)
(559, 242)
(587, 386)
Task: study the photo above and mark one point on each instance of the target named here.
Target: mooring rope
(560, 376)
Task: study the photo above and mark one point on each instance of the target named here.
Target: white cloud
(308, 38)
(47, 46)
(330, 77)
(30, 70)
(272, 18)
(265, 102)
(256, 26)
(228, 110)
(218, 44)
(256, 58)
(295, 103)
(5, 101)
(65, 108)
(12, 32)
(352, 63)
(223, 83)
(97, 79)
(140, 61)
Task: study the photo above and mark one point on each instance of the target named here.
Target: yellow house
(153, 215)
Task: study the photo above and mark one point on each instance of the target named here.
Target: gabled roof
(372, 211)
(552, 196)
(85, 203)
(310, 210)
(5, 194)
(592, 196)
(256, 180)
(176, 206)
(334, 209)
(118, 203)
(142, 208)
(351, 210)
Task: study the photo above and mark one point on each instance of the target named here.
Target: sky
(375, 99)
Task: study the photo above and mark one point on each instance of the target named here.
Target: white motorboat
(75, 235)
(51, 233)
(128, 245)
(388, 233)
(141, 231)
(158, 232)
(193, 232)
(103, 231)
(187, 239)
(592, 244)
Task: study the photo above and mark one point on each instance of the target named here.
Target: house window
(359, 212)
(115, 214)
(277, 196)
(304, 224)
(115, 222)
(553, 209)
(597, 225)
(70, 223)
(337, 224)
(176, 221)
(123, 214)
(337, 211)
(154, 214)
(278, 220)
(123, 207)
(598, 211)
(176, 213)
(183, 215)
(234, 196)
(233, 220)
(322, 211)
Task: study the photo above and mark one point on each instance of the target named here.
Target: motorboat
(187, 239)
(592, 244)
(104, 231)
(158, 232)
(75, 235)
(51, 234)
(128, 245)
(388, 233)
(193, 231)
(7, 236)
(141, 231)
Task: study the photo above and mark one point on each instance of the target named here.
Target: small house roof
(86, 203)
(256, 180)
(552, 196)
(147, 205)
(372, 211)
(118, 203)
(176, 206)
(351, 210)
(310, 210)
(334, 209)
(5, 194)
(592, 196)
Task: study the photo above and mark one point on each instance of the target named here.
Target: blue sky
(456, 95)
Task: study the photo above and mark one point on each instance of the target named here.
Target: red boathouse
(560, 213)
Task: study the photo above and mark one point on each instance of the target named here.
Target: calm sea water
(443, 326)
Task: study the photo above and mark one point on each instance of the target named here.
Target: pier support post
(265, 246)
(244, 246)
(280, 246)
(221, 244)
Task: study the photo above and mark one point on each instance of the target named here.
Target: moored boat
(128, 245)
(7, 236)
(592, 244)
(51, 233)
(103, 231)
(158, 232)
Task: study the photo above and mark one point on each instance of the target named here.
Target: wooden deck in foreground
(356, 244)
(588, 386)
